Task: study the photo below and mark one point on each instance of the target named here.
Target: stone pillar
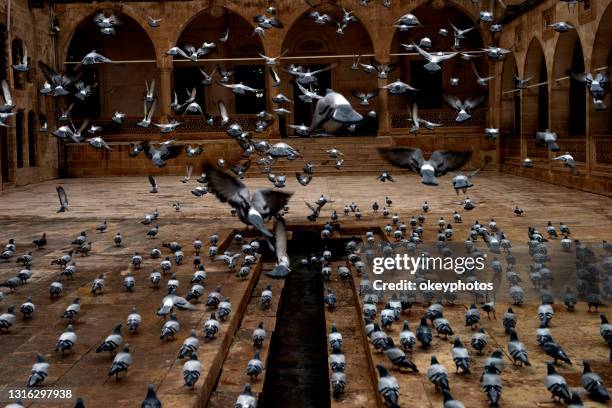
(272, 45)
(165, 88)
(589, 143)
(384, 122)
(522, 126)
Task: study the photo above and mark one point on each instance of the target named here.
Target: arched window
(32, 140)
(19, 138)
(577, 99)
(17, 53)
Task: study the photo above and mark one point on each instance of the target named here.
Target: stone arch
(118, 86)
(209, 24)
(534, 100)
(600, 123)
(510, 111)
(568, 100)
(334, 7)
(304, 38)
(433, 17)
(123, 11)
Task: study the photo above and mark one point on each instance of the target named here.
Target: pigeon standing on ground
(151, 400)
(40, 370)
(492, 385)
(388, 388)
(593, 384)
(112, 342)
(192, 370)
(121, 362)
(190, 345)
(556, 384)
(437, 375)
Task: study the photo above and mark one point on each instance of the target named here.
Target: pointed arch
(510, 111)
(534, 99)
(115, 87)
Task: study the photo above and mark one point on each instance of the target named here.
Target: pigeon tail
(279, 272)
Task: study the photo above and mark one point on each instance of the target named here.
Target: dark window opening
(3, 53)
(429, 85)
(185, 79)
(17, 52)
(516, 131)
(91, 106)
(302, 112)
(543, 98)
(577, 98)
(4, 155)
(32, 142)
(253, 76)
(586, 4)
(19, 138)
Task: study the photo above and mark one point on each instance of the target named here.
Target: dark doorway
(32, 142)
(19, 138)
(429, 85)
(253, 76)
(91, 106)
(4, 155)
(543, 98)
(577, 99)
(302, 112)
(185, 79)
(517, 114)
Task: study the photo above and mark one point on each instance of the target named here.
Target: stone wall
(38, 157)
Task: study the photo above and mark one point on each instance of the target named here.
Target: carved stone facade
(536, 51)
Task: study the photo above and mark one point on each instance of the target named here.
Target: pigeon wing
(404, 157)
(223, 111)
(445, 161)
(274, 200)
(63, 198)
(153, 181)
(453, 101)
(471, 103)
(228, 189)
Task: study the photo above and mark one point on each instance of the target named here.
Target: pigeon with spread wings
(165, 152)
(253, 209)
(463, 108)
(56, 83)
(63, 199)
(440, 162)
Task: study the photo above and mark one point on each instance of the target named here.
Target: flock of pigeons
(382, 311)
(333, 112)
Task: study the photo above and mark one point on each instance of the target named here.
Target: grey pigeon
(439, 163)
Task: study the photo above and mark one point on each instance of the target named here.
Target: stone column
(384, 122)
(272, 46)
(589, 143)
(165, 87)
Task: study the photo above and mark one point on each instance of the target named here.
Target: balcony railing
(445, 117)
